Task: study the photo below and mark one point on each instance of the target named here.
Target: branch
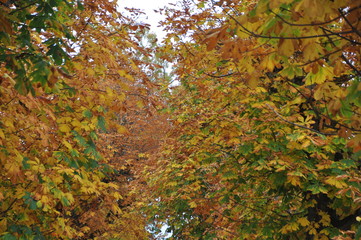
(322, 57)
(343, 37)
(349, 23)
(343, 56)
(298, 125)
(83, 29)
(20, 8)
(220, 76)
(313, 24)
(253, 34)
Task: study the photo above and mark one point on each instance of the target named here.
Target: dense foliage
(262, 113)
(266, 122)
(69, 72)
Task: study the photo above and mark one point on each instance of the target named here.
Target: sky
(148, 6)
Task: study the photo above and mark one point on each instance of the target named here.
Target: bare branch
(316, 23)
(253, 34)
(349, 23)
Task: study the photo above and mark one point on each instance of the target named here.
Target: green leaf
(65, 201)
(57, 53)
(25, 163)
(79, 139)
(8, 236)
(358, 233)
(87, 113)
(346, 109)
(253, 12)
(225, 199)
(229, 175)
(29, 201)
(80, 5)
(269, 24)
(69, 109)
(101, 123)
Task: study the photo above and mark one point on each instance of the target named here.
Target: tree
(68, 70)
(265, 138)
(266, 122)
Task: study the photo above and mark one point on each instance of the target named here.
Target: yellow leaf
(325, 220)
(335, 182)
(253, 81)
(261, 90)
(172, 184)
(85, 229)
(117, 196)
(140, 104)
(90, 72)
(77, 66)
(303, 222)
(3, 225)
(285, 47)
(64, 128)
(312, 231)
(122, 73)
(8, 123)
(121, 129)
(12, 167)
(294, 180)
(193, 205)
(293, 226)
(109, 92)
(310, 51)
(67, 144)
(70, 197)
(2, 135)
(121, 97)
(76, 123)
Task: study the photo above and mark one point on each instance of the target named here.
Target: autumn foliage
(266, 121)
(256, 133)
(68, 75)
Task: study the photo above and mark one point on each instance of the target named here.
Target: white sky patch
(150, 17)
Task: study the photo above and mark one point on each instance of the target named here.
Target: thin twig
(313, 24)
(20, 8)
(253, 34)
(220, 76)
(322, 57)
(349, 23)
(343, 56)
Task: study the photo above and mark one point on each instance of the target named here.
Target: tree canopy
(265, 140)
(255, 133)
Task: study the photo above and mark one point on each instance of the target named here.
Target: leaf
(121, 129)
(335, 182)
(67, 144)
(101, 123)
(285, 47)
(294, 180)
(87, 113)
(8, 236)
(64, 128)
(303, 222)
(358, 233)
(80, 139)
(192, 204)
(25, 163)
